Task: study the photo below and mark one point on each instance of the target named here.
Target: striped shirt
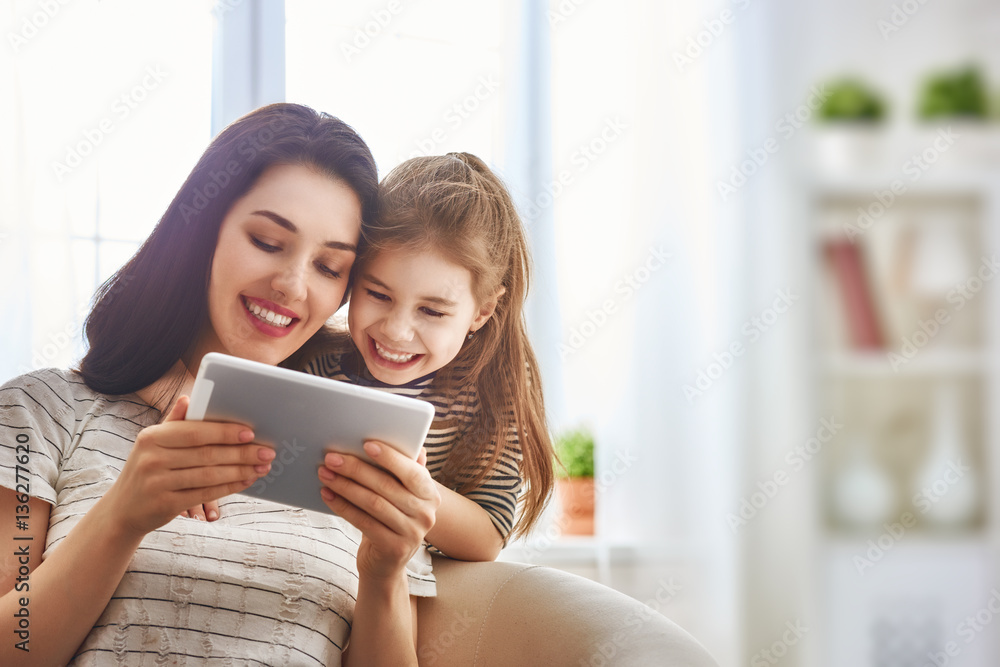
(264, 584)
(499, 490)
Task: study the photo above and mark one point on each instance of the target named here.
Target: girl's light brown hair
(456, 206)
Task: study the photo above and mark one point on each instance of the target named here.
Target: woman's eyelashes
(326, 270)
(270, 249)
(266, 247)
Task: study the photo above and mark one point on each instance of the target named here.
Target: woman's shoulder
(63, 394)
(46, 385)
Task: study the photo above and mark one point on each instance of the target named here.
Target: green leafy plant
(575, 451)
(960, 92)
(852, 100)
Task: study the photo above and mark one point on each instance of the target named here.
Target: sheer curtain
(104, 112)
(650, 270)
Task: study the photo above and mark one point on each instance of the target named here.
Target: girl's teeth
(268, 316)
(397, 358)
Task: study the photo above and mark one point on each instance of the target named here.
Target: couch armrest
(500, 614)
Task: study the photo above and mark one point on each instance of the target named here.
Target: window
(411, 82)
(113, 110)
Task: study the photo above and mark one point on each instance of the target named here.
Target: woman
(251, 258)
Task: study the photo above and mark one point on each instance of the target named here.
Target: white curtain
(104, 111)
(35, 257)
(649, 264)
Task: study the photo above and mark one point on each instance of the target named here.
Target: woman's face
(281, 264)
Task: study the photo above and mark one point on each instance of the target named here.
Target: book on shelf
(848, 267)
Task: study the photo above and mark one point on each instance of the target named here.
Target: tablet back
(302, 417)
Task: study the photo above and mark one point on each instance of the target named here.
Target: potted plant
(575, 480)
(850, 120)
(957, 101)
(960, 94)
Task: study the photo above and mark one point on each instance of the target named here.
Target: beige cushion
(502, 614)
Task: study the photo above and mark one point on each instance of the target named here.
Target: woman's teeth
(268, 316)
(392, 356)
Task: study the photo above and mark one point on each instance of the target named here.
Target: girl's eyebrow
(282, 221)
(441, 301)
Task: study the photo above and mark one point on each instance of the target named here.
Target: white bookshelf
(929, 577)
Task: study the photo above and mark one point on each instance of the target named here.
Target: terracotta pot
(576, 496)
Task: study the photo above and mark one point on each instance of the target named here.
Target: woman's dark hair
(148, 314)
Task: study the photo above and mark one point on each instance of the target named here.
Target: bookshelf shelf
(926, 363)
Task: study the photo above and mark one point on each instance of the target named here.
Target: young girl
(436, 313)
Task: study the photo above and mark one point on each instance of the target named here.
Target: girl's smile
(410, 313)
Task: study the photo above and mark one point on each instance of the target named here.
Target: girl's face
(410, 313)
(281, 264)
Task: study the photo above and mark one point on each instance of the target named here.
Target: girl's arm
(464, 530)
(171, 467)
(393, 508)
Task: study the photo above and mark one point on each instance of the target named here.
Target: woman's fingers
(412, 474)
(182, 434)
(388, 483)
(179, 410)
(394, 510)
(211, 510)
(404, 508)
(374, 528)
(177, 466)
(204, 494)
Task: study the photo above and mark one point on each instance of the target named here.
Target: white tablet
(303, 417)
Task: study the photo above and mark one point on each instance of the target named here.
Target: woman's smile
(270, 318)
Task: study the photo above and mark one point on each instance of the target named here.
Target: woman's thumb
(179, 410)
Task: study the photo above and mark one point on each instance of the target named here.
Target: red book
(849, 269)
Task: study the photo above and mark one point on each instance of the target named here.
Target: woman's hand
(179, 464)
(393, 508)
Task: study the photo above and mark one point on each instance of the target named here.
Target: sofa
(514, 614)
